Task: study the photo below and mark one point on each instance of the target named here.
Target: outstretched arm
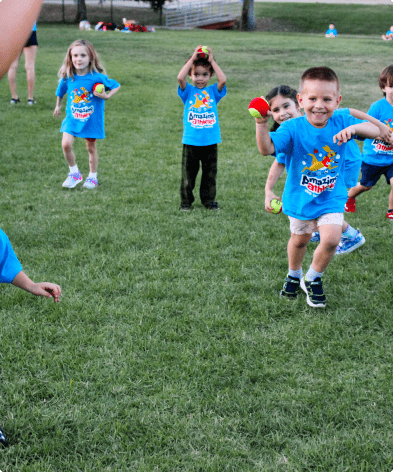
(16, 21)
(275, 172)
(364, 130)
(385, 133)
(264, 141)
(106, 95)
(44, 289)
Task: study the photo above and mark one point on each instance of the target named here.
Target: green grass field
(170, 349)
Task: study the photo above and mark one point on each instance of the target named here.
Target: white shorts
(309, 226)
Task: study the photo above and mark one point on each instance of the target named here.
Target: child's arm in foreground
(222, 80)
(385, 133)
(44, 289)
(364, 130)
(106, 95)
(16, 20)
(182, 76)
(264, 141)
(57, 110)
(275, 172)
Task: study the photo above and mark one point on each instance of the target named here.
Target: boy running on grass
(315, 193)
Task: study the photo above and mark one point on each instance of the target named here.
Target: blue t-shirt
(375, 151)
(34, 27)
(9, 263)
(332, 31)
(84, 111)
(352, 153)
(200, 118)
(315, 166)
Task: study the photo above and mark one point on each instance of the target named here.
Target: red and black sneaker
(389, 215)
(350, 206)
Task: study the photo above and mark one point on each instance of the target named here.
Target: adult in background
(30, 51)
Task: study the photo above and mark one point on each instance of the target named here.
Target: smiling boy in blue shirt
(315, 192)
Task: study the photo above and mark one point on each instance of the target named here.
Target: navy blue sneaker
(3, 440)
(314, 290)
(290, 288)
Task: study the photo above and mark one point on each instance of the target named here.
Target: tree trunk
(247, 20)
(81, 13)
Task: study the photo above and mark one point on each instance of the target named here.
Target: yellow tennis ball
(99, 88)
(276, 206)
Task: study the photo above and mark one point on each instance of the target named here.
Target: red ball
(100, 86)
(203, 52)
(258, 107)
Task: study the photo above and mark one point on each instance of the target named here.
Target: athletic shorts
(371, 174)
(91, 140)
(32, 41)
(309, 226)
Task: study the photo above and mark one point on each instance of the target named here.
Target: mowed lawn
(171, 349)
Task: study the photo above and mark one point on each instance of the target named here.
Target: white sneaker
(90, 182)
(73, 180)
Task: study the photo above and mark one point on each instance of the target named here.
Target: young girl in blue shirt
(80, 71)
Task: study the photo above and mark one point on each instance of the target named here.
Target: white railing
(201, 13)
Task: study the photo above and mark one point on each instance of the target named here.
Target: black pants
(192, 156)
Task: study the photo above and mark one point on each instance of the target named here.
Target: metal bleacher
(202, 13)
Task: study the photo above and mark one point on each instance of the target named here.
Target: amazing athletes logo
(80, 108)
(198, 111)
(320, 175)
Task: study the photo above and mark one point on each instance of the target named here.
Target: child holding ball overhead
(80, 71)
(315, 193)
(201, 129)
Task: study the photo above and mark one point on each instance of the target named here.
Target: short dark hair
(202, 62)
(324, 74)
(386, 78)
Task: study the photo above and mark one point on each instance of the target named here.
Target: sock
(74, 169)
(349, 232)
(312, 274)
(390, 209)
(93, 175)
(296, 273)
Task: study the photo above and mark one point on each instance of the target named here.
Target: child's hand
(194, 56)
(264, 119)
(269, 196)
(46, 289)
(210, 58)
(102, 95)
(385, 134)
(344, 135)
(57, 112)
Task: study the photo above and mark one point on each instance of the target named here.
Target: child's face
(200, 76)
(319, 99)
(283, 109)
(331, 26)
(388, 90)
(80, 59)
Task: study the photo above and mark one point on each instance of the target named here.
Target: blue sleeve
(109, 83)
(184, 93)
(61, 88)
(282, 139)
(217, 94)
(9, 263)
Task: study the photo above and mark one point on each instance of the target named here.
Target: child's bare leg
(93, 155)
(12, 78)
(30, 54)
(355, 191)
(330, 238)
(297, 246)
(67, 142)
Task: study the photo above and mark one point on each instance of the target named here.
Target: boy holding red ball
(201, 129)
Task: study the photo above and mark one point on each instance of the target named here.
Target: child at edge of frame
(377, 157)
(315, 192)
(80, 72)
(201, 130)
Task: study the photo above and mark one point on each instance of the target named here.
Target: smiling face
(388, 91)
(319, 99)
(80, 59)
(200, 76)
(283, 109)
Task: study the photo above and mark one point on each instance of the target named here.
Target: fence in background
(207, 13)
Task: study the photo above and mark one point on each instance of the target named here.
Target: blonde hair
(67, 69)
